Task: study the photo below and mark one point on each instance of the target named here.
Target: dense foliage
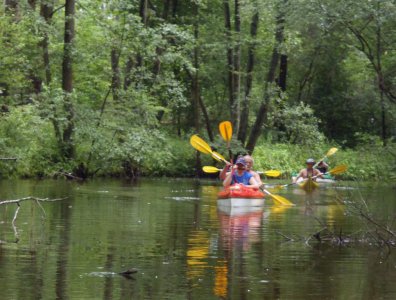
(117, 87)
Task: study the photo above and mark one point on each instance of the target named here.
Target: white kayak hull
(241, 202)
(324, 180)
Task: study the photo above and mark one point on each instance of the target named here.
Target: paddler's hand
(235, 187)
(228, 166)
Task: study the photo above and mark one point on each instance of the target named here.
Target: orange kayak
(239, 195)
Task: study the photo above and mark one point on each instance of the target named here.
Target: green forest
(116, 88)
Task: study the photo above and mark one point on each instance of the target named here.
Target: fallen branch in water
(18, 201)
(373, 231)
(30, 198)
(68, 175)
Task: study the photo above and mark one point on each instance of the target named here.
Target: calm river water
(183, 247)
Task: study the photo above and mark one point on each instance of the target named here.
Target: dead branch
(69, 175)
(17, 202)
(31, 198)
(286, 237)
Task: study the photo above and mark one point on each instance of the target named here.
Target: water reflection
(197, 254)
(190, 249)
(239, 228)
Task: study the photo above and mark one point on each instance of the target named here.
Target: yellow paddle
(225, 129)
(277, 199)
(329, 153)
(200, 145)
(217, 156)
(270, 173)
(335, 171)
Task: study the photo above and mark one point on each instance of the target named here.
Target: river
(183, 247)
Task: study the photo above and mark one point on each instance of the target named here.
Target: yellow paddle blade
(331, 151)
(277, 199)
(225, 129)
(272, 173)
(281, 200)
(277, 209)
(338, 169)
(210, 169)
(200, 144)
(217, 156)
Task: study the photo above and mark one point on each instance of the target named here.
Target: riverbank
(160, 155)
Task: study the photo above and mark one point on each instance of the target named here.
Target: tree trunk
(46, 9)
(243, 125)
(230, 62)
(207, 120)
(236, 69)
(195, 79)
(128, 68)
(67, 80)
(307, 77)
(143, 11)
(165, 12)
(11, 6)
(261, 116)
(195, 87)
(174, 8)
(32, 4)
(115, 79)
(282, 72)
(381, 79)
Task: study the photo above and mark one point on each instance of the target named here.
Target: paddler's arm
(318, 173)
(298, 176)
(257, 177)
(228, 179)
(223, 173)
(253, 184)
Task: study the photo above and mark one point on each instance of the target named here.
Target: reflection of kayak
(308, 185)
(238, 195)
(238, 210)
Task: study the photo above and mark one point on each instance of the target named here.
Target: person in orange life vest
(309, 171)
(240, 175)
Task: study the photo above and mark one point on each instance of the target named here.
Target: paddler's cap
(310, 161)
(241, 161)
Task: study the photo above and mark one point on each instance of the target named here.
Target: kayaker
(240, 175)
(249, 165)
(322, 167)
(309, 171)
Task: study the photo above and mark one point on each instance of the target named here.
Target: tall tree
(236, 110)
(46, 10)
(243, 125)
(261, 116)
(230, 62)
(68, 147)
